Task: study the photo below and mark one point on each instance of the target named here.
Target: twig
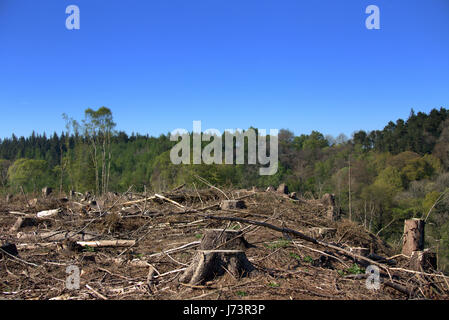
(185, 246)
(169, 200)
(319, 251)
(210, 185)
(96, 293)
(18, 259)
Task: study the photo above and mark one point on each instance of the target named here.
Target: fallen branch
(107, 243)
(185, 246)
(96, 293)
(169, 200)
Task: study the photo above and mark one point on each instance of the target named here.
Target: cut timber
(423, 260)
(232, 204)
(413, 236)
(208, 264)
(53, 236)
(107, 243)
(48, 213)
(219, 239)
(221, 251)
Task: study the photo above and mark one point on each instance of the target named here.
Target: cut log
(53, 236)
(209, 264)
(107, 243)
(423, 261)
(48, 213)
(413, 236)
(232, 204)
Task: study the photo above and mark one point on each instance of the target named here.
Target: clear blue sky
(160, 64)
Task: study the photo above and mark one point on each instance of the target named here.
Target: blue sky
(160, 64)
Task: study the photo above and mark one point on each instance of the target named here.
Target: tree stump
(220, 252)
(232, 204)
(282, 189)
(46, 191)
(328, 200)
(321, 232)
(423, 261)
(413, 236)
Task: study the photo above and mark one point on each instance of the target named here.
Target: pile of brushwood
(198, 244)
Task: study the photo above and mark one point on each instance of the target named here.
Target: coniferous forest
(379, 178)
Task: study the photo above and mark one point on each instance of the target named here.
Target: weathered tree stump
(24, 222)
(423, 260)
(282, 189)
(208, 264)
(321, 232)
(328, 200)
(232, 204)
(413, 236)
(220, 252)
(46, 191)
(293, 195)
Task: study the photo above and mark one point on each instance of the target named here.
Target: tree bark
(413, 236)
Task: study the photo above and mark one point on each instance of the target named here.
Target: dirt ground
(288, 267)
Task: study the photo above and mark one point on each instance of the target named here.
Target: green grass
(198, 236)
(241, 293)
(294, 255)
(281, 243)
(308, 259)
(354, 269)
(88, 249)
(274, 285)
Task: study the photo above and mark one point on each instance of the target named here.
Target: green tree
(29, 173)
